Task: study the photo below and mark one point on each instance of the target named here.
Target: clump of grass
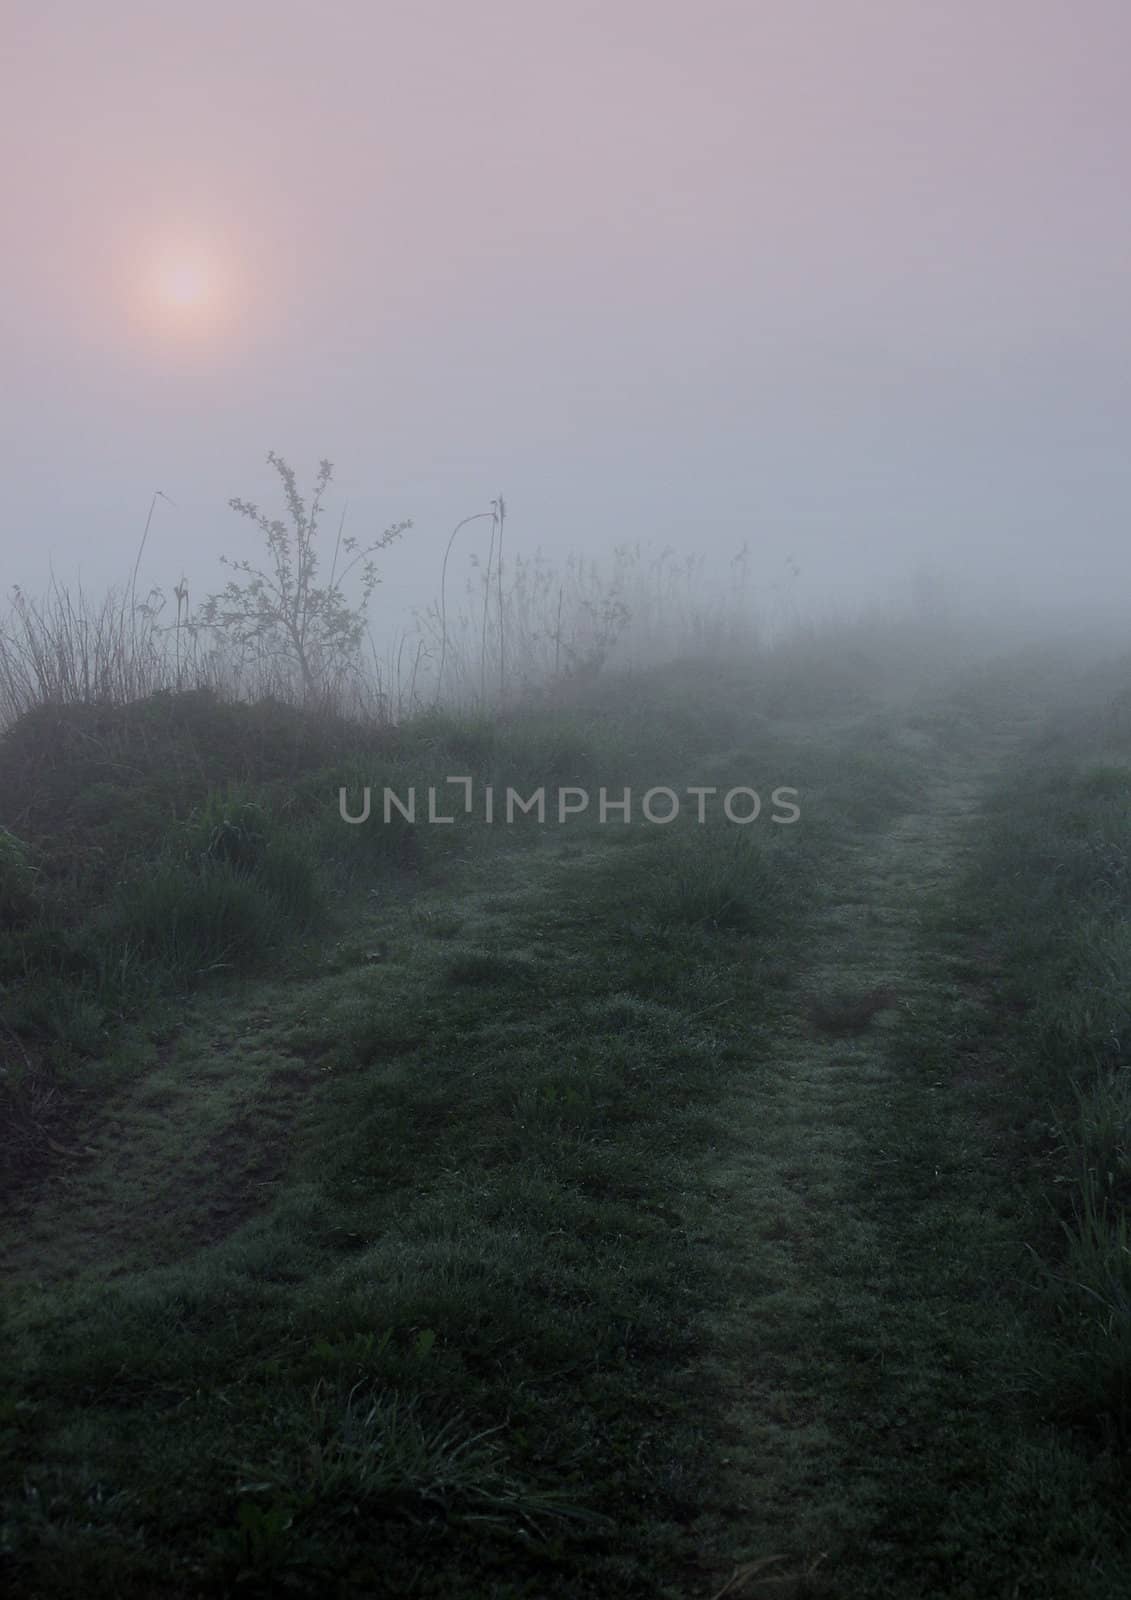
(18, 875)
(381, 1452)
(482, 967)
(714, 879)
(230, 828)
(193, 923)
(1087, 1380)
(1051, 888)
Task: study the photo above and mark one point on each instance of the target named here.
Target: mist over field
(841, 283)
(565, 800)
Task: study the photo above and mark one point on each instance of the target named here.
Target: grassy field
(576, 1210)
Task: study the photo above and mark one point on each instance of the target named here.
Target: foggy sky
(847, 279)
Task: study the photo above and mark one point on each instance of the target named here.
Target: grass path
(480, 1155)
(875, 1449)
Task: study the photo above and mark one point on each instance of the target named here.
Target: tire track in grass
(868, 1449)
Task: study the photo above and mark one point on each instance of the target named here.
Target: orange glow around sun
(182, 294)
(186, 286)
(186, 292)
(193, 296)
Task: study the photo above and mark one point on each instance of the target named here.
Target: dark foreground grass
(453, 1349)
(148, 849)
(1049, 900)
(393, 1281)
(435, 1268)
(961, 1477)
